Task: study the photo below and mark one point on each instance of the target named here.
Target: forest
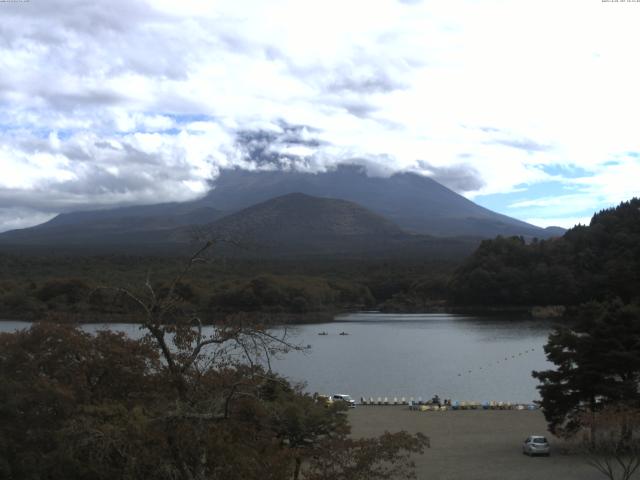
(68, 286)
(596, 262)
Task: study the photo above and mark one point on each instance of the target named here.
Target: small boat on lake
(344, 333)
(323, 333)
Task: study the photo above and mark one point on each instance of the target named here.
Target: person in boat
(436, 400)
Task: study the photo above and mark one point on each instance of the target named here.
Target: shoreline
(288, 318)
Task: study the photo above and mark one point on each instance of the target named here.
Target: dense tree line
(57, 287)
(595, 262)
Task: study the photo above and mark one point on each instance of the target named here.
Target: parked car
(341, 397)
(536, 445)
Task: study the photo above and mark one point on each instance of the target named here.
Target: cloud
(525, 144)
(136, 101)
(459, 177)
(12, 218)
(564, 222)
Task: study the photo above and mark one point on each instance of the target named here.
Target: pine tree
(597, 364)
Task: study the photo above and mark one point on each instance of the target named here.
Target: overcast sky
(528, 107)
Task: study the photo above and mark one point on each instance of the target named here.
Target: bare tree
(612, 445)
(209, 366)
(181, 336)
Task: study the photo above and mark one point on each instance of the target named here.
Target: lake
(410, 355)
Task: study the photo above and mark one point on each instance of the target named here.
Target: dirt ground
(475, 444)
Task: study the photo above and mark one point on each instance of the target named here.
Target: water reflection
(457, 356)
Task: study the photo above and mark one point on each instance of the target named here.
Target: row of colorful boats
(423, 406)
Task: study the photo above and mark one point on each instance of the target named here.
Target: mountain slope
(414, 202)
(150, 224)
(296, 213)
(298, 225)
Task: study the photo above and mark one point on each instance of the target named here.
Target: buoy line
(497, 362)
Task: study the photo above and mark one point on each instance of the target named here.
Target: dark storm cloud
(269, 147)
(459, 178)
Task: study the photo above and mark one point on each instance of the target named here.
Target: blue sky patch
(566, 171)
(556, 199)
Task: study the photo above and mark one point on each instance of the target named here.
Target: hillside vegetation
(68, 286)
(594, 262)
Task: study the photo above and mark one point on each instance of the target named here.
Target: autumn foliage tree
(185, 401)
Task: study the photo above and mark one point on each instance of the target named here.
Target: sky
(527, 107)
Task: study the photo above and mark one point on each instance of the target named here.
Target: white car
(536, 445)
(341, 397)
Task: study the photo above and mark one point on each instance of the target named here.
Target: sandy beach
(475, 444)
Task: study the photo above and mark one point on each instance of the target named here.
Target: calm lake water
(418, 355)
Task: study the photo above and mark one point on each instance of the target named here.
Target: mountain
(414, 203)
(297, 224)
(298, 214)
(149, 224)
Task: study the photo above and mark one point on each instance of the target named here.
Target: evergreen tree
(600, 261)
(598, 364)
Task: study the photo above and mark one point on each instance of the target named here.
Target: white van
(341, 397)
